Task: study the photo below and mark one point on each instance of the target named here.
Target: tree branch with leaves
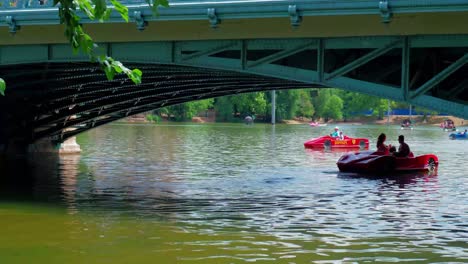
(81, 41)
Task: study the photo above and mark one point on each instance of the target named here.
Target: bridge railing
(21, 4)
(28, 12)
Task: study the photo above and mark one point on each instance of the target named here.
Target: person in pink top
(381, 147)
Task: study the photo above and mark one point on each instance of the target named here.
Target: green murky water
(231, 194)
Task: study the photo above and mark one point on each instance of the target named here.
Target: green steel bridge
(414, 51)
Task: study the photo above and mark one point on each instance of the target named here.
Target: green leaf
(109, 73)
(99, 8)
(123, 10)
(118, 67)
(135, 75)
(86, 6)
(164, 3)
(107, 14)
(2, 87)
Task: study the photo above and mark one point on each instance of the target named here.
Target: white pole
(388, 112)
(410, 108)
(273, 107)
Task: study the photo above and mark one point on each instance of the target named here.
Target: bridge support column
(69, 146)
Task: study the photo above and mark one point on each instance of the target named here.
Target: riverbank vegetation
(303, 104)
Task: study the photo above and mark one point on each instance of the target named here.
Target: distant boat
(459, 135)
(448, 125)
(406, 124)
(248, 120)
(316, 124)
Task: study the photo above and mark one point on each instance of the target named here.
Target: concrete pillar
(69, 146)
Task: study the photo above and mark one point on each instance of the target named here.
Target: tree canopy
(327, 104)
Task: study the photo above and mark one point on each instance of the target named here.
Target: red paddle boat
(380, 163)
(337, 143)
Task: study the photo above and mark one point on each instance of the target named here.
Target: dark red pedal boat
(379, 163)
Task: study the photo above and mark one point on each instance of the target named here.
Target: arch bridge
(411, 51)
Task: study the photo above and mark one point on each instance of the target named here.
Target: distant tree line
(326, 104)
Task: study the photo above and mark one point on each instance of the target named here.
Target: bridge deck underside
(61, 100)
(51, 97)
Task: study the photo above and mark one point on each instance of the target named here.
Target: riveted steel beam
(123, 106)
(209, 51)
(321, 60)
(362, 60)
(440, 76)
(282, 54)
(455, 91)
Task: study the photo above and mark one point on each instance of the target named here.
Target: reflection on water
(230, 194)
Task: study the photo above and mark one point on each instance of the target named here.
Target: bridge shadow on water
(67, 184)
(41, 178)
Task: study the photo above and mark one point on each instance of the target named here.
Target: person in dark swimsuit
(403, 149)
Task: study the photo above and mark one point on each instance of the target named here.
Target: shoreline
(393, 120)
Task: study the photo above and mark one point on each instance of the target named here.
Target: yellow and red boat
(329, 142)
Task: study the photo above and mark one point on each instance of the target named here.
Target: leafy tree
(320, 100)
(333, 108)
(184, 112)
(224, 108)
(354, 104)
(79, 40)
(382, 107)
(2, 86)
(286, 104)
(249, 103)
(305, 106)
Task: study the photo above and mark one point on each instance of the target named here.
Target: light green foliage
(356, 103)
(382, 107)
(79, 40)
(305, 106)
(333, 108)
(2, 86)
(224, 108)
(249, 103)
(198, 106)
(286, 104)
(184, 112)
(154, 4)
(153, 118)
(320, 100)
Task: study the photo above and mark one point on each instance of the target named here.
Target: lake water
(231, 193)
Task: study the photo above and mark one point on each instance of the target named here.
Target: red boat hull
(336, 143)
(377, 162)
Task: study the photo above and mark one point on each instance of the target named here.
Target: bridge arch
(55, 85)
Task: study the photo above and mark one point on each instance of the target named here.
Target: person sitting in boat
(403, 149)
(381, 147)
(341, 135)
(335, 133)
